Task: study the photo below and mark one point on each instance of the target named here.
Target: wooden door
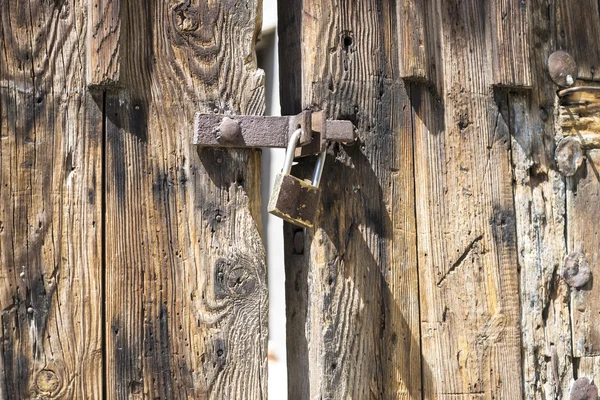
(456, 244)
(131, 261)
(435, 266)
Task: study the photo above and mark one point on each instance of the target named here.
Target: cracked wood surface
(50, 205)
(578, 121)
(352, 295)
(186, 311)
(100, 182)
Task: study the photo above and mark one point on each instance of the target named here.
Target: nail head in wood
(562, 68)
(569, 156)
(583, 389)
(229, 129)
(576, 271)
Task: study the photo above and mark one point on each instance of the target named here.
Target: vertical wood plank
(413, 40)
(578, 30)
(352, 294)
(50, 205)
(510, 47)
(468, 277)
(583, 191)
(187, 289)
(104, 46)
(540, 206)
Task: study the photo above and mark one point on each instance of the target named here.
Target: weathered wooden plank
(352, 294)
(104, 51)
(510, 47)
(186, 300)
(50, 206)
(578, 30)
(540, 210)
(583, 191)
(413, 41)
(468, 275)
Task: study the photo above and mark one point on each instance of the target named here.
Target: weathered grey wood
(510, 46)
(186, 294)
(578, 122)
(583, 206)
(414, 42)
(50, 205)
(468, 276)
(104, 48)
(352, 295)
(540, 211)
(577, 32)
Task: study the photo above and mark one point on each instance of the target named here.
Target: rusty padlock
(293, 199)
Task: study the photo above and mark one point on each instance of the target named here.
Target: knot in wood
(236, 277)
(562, 68)
(229, 129)
(569, 156)
(583, 389)
(186, 18)
(48, 383)
(576, 270)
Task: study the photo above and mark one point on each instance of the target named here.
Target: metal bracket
(213, 130)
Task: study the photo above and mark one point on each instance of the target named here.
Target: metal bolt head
(562, 68)
(229, 129)
(569, 155)
(576, 271)
(583, 389)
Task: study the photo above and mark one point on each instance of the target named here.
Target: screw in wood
(229, 129)
(562, 68)
(576, 270)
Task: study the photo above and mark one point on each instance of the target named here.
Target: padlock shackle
(291, 149)
(319, 168)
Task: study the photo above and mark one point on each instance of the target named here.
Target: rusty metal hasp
(214, 130)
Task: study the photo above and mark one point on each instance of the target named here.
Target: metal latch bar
(213, 130)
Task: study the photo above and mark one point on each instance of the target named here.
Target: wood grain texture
(510, 47)
(578, 30)
(50, 206)
(104, 44)
(468, 276)
(414, 41)
(185, 267)
(583, 191)
(352, 295)
(540, 210)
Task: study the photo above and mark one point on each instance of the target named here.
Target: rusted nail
(569, 156)
(562, 68)
(576, 270)
(583, 389)
(229, 129)
(299, 242)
